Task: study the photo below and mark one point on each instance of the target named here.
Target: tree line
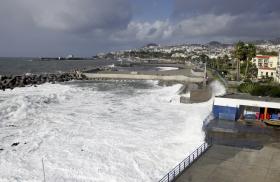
(244, 53)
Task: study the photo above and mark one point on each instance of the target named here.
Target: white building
(70, 56)
(234, 107)
(278, 70)
(179, 55)
(267, 66)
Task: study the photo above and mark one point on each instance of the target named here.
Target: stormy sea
(18, 66)
(97, 131)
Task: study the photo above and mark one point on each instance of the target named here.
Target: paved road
(232, 164)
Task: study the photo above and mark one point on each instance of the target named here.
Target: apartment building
(278, 70)
(267, 66)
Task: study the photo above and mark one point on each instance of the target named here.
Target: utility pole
(205, 76)
(238, 70)
(43, 170)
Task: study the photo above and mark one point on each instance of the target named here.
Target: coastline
(65, 109)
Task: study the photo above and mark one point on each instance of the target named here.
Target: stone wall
(200, 95)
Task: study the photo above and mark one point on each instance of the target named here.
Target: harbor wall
(135, 76)
(200, 95)
(13, 81)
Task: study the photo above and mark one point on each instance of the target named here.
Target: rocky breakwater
(12, 81)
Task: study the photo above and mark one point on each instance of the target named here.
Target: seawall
(179, 78)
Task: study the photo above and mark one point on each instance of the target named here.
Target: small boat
(275, 123)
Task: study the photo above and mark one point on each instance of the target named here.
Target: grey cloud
(58, 27)
(254, 27)
(249, 19)
(143, 32)
(79, 15)
(184, 8)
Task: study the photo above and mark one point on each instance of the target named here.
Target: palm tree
(250, 54)
(240, 55)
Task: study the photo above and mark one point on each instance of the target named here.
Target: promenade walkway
(232, 164)
(180, 78)
(181, 75)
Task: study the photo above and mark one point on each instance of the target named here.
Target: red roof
(263, 57)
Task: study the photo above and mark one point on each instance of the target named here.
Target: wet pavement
(240, 134)
(240, 153)
(233, 164)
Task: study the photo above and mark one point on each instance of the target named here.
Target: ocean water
(97, 131)
(18, 66)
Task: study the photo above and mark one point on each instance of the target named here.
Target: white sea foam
(86, 134)
(167, 68)
(218, 88)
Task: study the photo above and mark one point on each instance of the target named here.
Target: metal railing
(176, 171)
(207, 120)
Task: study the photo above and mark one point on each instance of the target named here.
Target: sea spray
(218, 89)
(96, 131)
(200, 114)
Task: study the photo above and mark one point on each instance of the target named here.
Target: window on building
(271, 73)
(270, 64)
(266, 73)
(261, 73)
(265, 60)
(266, 65)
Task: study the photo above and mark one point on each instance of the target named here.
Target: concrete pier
(179, 78)
(184, 73)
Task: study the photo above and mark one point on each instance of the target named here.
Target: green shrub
(246, 87)
(248, 81)
(256, 89)
(275, 92)
(261, 90)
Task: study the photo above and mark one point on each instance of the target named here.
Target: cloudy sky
(86, 27)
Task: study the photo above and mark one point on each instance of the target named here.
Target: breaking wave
(96, 131)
